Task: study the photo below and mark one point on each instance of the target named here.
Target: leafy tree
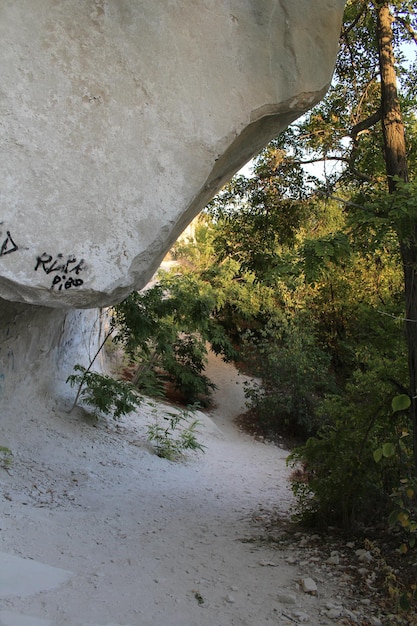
(164, 330)
(361, 127)
(338, 252)
(358, 132)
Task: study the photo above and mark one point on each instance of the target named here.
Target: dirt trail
(96, 530)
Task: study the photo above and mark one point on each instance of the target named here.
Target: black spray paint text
(62, 270)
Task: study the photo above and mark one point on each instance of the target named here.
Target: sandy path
(97, 530)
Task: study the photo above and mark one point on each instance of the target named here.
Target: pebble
(363, 571)
(308, 585)
(301, 616)
(333, 560)
(291, 560)
(335, 613)
(364, 556)
(286, 598)
(353, 617)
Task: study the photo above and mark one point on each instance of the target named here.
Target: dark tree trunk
(396, 168)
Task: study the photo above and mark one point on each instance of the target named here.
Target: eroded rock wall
(39, 347)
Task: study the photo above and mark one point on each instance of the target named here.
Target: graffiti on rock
(64, 271)
(8, 245)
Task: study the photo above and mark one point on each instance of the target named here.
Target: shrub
(337, 480)
(166, 329)
(105, 394)
(174, 434)
(294, 373)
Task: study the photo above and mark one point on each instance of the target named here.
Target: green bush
(336, 478)
(294, 373)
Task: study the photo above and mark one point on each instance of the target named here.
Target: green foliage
(404, 513)
(174, 433)
(106, 395)
(336, 479)
(165, 330)
(400, 403)
(295, 374)
(6, 457)
(324, 251)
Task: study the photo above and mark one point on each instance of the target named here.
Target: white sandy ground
(96, 530)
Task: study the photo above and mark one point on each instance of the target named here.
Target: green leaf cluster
(6, 457)
(165, 330)
(174, 433)
(106, 395)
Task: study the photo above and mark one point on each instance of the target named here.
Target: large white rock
(120, 119)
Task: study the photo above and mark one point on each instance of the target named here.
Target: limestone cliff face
(120, 119)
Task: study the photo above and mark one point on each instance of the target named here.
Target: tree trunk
(396, 168)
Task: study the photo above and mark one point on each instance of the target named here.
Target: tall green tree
(364, 134)
(397, 171)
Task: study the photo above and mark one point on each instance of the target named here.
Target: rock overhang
(121, 120)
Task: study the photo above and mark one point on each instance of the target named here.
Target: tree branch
(365, 124)
(337, 199)
(410, 30)
(353, 170)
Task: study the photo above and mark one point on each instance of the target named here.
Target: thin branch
(322, 159)
(337, 199)
(89, 368)
(364, 96)
(348, 161)
(355, 21)
(396, 317)
(410, 30)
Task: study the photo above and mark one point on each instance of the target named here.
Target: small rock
(308, 585)
(352, 617)
(335, 613)
(301, 616)
(230, 599)
(363, 571)
(333, 560)
(375, 621)
(267, 564)
(364, 556)
(286, 598)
